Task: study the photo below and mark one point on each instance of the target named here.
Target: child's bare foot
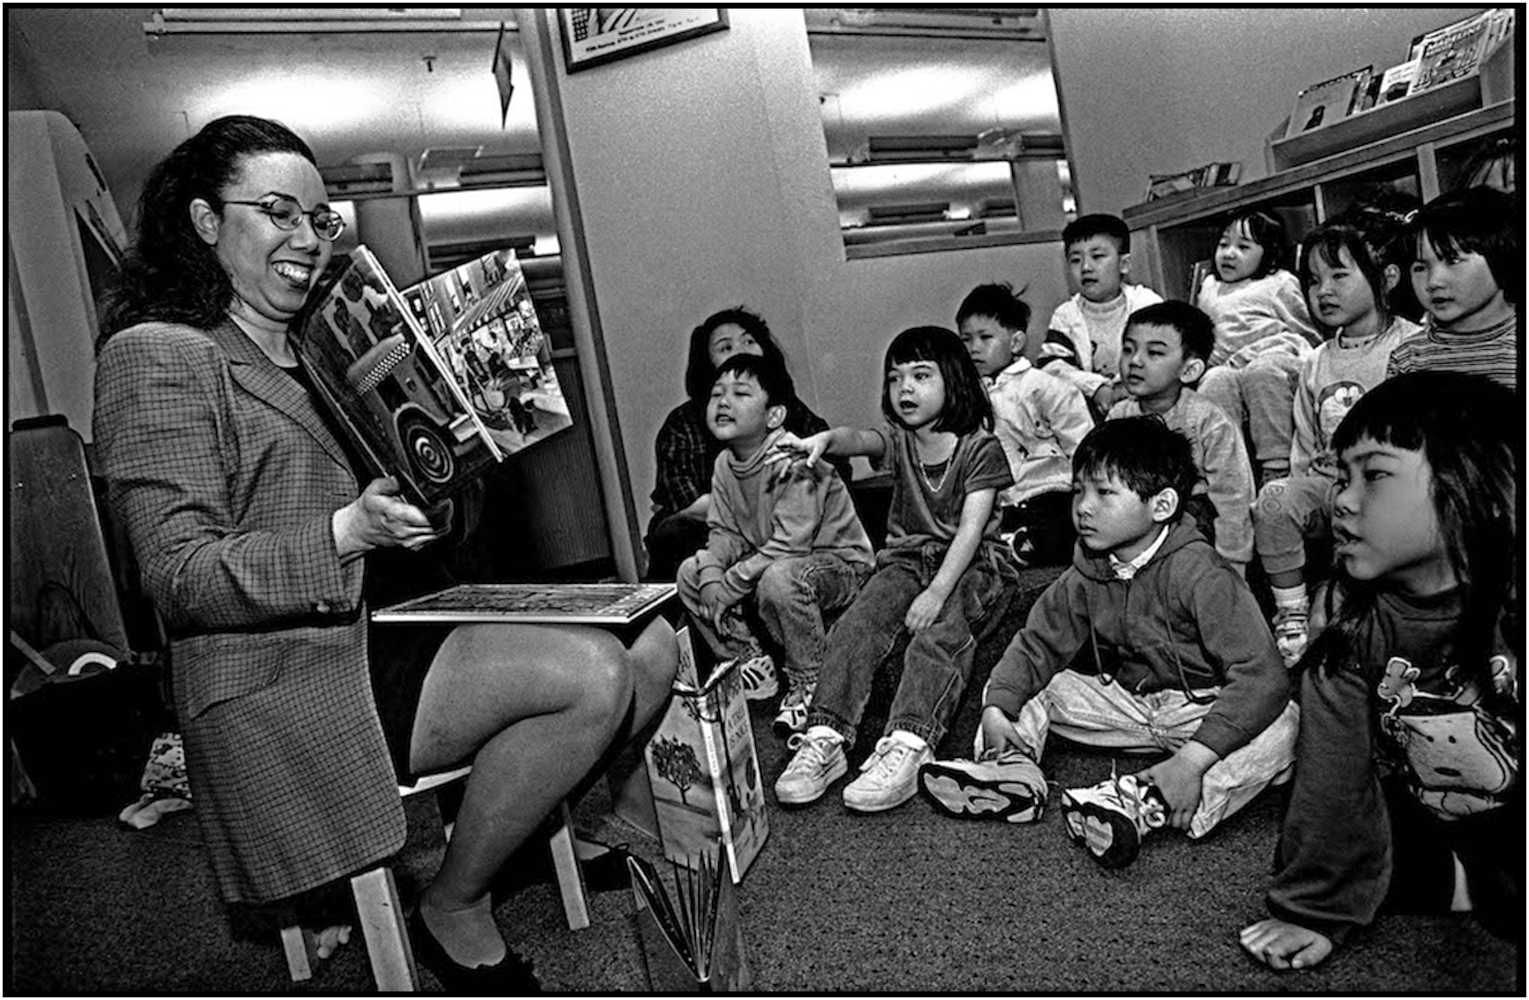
(1281, 945)
(328, 940)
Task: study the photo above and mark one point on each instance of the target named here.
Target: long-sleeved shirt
(1185, 621)
(1493, 352)
(1082, 344)
(756, 518)
(1397, 709)
(1040, 421)
(1221, 458)
(1256, 315)
(1332, 379)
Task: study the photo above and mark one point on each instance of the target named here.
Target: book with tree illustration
(438, 382)
(690, 937)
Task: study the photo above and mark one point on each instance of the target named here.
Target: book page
(567, 603)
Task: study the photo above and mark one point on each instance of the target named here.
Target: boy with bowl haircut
(1083, 338)
(1162, 356)
(1148, 642)
(1038, 418)
(786, 549)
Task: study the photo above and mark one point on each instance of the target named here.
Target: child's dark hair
(966, 404)
(1383, 217)
(1143, 453)
(699, 373)
(1196, 330)
(1329, 241)
(1266, 229)
(1086, 227)
(1470, 433)
(998, 302)
(765, 369)
(1477, 220)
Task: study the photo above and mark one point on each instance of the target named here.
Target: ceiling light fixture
(308, 20)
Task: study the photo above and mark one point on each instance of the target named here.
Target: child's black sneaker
(1112, 817)
(1009, 787)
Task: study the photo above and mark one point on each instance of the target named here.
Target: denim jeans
(789, 601)
(1288, 512)
(1261, 397)
(1085, 710)
(938, 661)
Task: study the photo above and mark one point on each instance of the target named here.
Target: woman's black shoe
(511, 976)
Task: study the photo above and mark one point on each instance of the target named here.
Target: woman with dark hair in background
(240, 498)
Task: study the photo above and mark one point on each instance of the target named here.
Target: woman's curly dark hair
(171, 274)
(700, 372)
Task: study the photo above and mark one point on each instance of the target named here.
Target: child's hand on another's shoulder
(1282, 945)
(788, 450)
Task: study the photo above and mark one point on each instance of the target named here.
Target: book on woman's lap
(612, 605)
(438, 382)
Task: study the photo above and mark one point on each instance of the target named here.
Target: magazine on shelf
(1328, 101)
(438, 382)
(609, 604)
(691, 938)
(1456, 50)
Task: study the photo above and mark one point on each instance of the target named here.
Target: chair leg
(387, 938)
(298, 943)
(570, 880)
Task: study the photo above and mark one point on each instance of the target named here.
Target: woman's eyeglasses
(288, 215)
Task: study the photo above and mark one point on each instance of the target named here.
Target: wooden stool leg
(298, 943)
(570, 880)
(387, 939)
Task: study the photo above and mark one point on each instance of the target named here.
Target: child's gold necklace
(924, 471)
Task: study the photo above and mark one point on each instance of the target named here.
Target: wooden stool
(381, 911)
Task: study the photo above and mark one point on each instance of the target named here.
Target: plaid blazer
(226, 478)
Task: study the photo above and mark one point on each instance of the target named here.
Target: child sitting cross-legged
(1162, 356)
(1149, 642)
(787, 548)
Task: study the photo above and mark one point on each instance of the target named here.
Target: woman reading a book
(240, 497)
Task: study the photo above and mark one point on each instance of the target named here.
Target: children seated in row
(1263, 331)
(942, 571)
(1162, 355)
(1038, 418)
(1407, 792)
(1082, 342)
(783, 551)
(1148, 642)
(1348, 286)
(1468, 272)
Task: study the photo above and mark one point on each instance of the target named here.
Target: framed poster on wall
(593, 36)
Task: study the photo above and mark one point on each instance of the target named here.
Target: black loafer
(511, 977)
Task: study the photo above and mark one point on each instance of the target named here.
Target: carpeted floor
(903, 902)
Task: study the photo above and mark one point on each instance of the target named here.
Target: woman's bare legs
(534, 708)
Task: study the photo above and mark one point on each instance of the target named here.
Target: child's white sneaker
(818, 762)
(889, 777)
(1291, 632)
(1009, 787)
(792, 717)
(1112, 817)
(758, 675)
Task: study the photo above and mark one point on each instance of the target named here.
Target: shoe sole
(957, 793)
(835, 772)
(762, 694)
(1125, 841)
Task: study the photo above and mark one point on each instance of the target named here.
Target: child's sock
(910, 739)
(824, 733)
(1291, 598)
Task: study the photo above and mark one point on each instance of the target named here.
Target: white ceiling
(356, 94)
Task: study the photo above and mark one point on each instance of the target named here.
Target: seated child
(1039, 420)
(939, 575)
(1468, 271)
(1083, 339)
(1148, 642)
(1347, 284)
(1408, 794)
(1263, 330)
(1162, 355)
(788, 548)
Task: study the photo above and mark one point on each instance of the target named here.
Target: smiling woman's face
(271, 269)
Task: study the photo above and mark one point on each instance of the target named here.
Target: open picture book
(438, 382)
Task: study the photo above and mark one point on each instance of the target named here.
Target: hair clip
(1409, 217)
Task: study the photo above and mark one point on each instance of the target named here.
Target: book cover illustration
(690, 937)
(1452, 52)
(1329, 101)
(610, 604)
(397, 374)
(704, 769)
